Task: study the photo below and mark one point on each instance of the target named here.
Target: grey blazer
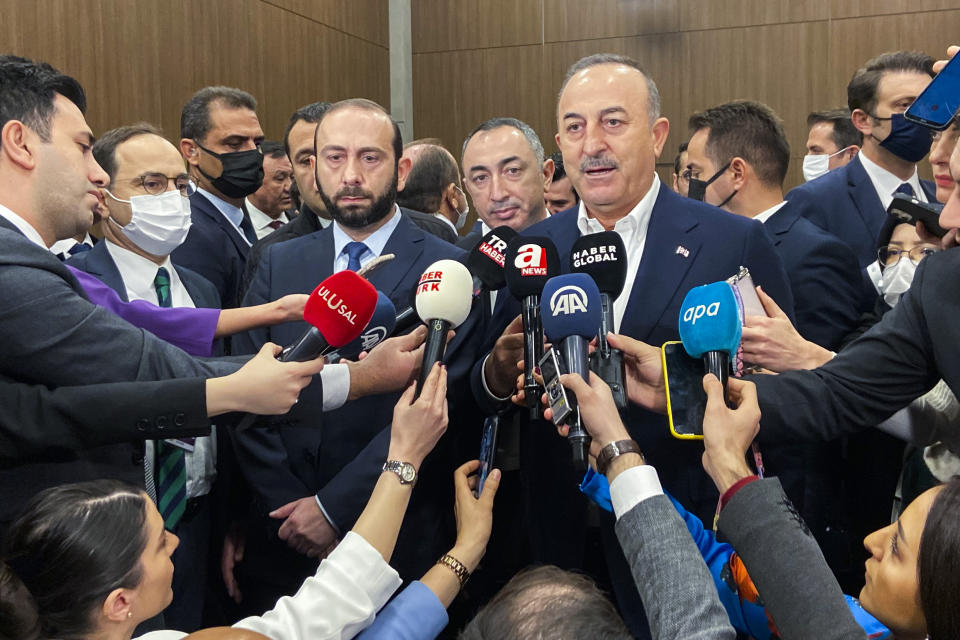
(675, 585)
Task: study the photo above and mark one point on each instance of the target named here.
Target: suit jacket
(306, 222)
(470, 240)
(54, 336)
(680, 598)
(431, 225)
(341, 461)
(902, 357)
(214, 249)
(824, 277)
(787, 567)
(845, 203)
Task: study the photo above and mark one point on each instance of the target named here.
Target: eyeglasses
(687, 174)
(890, 254)
(156, 183)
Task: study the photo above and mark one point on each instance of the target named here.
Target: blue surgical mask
(907, 140)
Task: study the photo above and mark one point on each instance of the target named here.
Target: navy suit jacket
(716, 244)
(468, 241)
(214, 249)
(98, 262)
(845, 203)
(824, 277)
(341, 461)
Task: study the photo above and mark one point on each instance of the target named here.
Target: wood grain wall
(142, 59)
(476, 59)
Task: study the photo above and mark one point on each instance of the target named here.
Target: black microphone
(485, 261)
(603, 257)
(529, 262)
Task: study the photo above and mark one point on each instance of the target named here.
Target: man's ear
(660, 130)
(403, 170)
(851, 152)
(862, 121)
(548, 167)
(16, 142)
(452, 197)
(740, 168)
(190, 151)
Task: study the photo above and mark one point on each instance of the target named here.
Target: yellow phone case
(666, 384)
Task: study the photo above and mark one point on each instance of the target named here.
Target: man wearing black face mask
(851, 201)
(220, 140)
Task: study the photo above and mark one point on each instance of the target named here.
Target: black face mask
(242, 172)
(698, 187)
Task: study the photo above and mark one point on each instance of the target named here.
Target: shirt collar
(630, 226)
(61, 247)
(375, 242)
(231, 212)
(440, 216)
(138, 273)
(23, 226)
(763, 216)
(886, 183)
(259, 219)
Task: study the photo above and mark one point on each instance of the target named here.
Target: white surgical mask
(815, 165)
(158, 223)
(896, 280)
(462, 215)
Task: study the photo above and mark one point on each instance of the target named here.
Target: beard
(358, 217)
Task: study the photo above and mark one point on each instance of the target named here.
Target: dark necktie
(906, 189)
(78, 248)
(247, 227)
(171, 460)
(275, 224)
(354, 250)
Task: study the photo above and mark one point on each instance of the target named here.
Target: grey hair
(495, 123)
(653, 94)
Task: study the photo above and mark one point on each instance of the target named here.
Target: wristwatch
(614, 450)
(404, 470)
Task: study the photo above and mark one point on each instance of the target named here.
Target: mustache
(598, 163)
(353, 192)
(505, 204)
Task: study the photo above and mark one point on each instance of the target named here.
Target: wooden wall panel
(445, 25)
(143, 60)
(364, 19)
(566, 20)
(726, 14)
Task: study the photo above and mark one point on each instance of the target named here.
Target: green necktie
(161, 282)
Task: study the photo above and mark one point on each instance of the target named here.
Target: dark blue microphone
(570, 309)
(378, 329)
(710, 327)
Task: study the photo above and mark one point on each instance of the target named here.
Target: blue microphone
(381, 325)
(710, 327)
(570, 307)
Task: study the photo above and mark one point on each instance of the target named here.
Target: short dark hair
(105, 148)
(272, 149)
(559, 171)
(70, 547)
(748, 130)
(495, 123)
(938, 564)
(862, 89)
(370, 105)
(653, 94)
(429, 176)
(195, 116)
(844, 133)
(547, 602)
(310, 113)
(676, 161)
(27, 92)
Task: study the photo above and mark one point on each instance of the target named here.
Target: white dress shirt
(887, 184)
(440, 216)
(61, 248)
(261, 221)
(763, 216)
(23, 226)
(232, 213)
(375, 242)
(633, 486)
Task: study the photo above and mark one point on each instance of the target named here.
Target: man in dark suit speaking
(611, 133)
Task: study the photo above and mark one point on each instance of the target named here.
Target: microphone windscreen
(603, 257)
(445, 292)
(570, 306)
(381, 325)
(530, 262)
(486, 260)
(340, 307)
(710, 320)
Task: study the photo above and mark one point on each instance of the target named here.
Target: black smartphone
(908, 209)
(488, 448)
(686, 399)
(939, 102)
(551, 367)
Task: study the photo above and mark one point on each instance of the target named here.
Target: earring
(129, 614)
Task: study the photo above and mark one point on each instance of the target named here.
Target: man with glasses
(220, 138)
(147, 216)
(681, 175)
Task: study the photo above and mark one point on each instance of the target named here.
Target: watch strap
(398, 467)
(613, 450)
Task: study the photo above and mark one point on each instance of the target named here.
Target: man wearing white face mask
(147, 211)
(832, 142)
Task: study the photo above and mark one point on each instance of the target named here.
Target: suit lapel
(322, 247)
(98, 262)
(780, 223)
(406, 243)
(668, 253)
(929, 189)
(208, 209)
(864, 196)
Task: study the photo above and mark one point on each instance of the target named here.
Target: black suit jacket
(470, 240)
(214, 249)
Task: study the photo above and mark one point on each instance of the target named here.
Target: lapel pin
(683, 251)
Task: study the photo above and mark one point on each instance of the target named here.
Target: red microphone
(338, 311)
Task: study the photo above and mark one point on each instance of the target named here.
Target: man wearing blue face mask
(148, 216)
(220, 138)
(850, 202)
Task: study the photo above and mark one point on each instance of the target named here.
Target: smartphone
(745, 291)
(686, 399)
(488, 448)
(936, 106)
(908, 209)
(551, 367)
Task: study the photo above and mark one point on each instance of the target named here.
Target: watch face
(408, 473)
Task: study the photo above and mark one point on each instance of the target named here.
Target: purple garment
(190, 329)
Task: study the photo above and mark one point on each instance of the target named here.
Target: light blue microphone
(710, 327)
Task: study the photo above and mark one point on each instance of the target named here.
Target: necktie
(907, 189)
(275, 224)
(354, 250)
(247, 227)
(78, 248)
(171, 485)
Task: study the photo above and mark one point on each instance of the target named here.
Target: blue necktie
(78, 248)
(354, 250)
(906, 189)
